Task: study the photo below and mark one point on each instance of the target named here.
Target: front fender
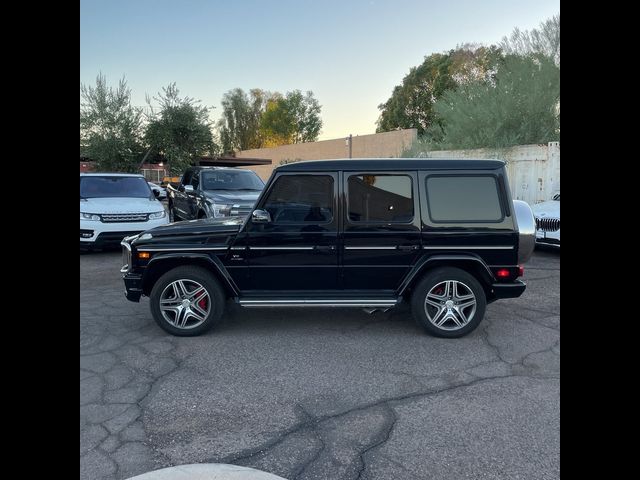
(161, 263)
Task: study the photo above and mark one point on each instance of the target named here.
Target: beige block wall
(377, 145)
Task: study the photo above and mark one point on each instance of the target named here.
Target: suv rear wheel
(187, 301)
(448, 302)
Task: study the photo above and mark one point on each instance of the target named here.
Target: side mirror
(156, 193)
(260, 216)
(188, 188)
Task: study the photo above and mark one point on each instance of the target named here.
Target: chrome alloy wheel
(450, 305)
(185, 304)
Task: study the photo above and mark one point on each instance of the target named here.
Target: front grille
(124, 217)
(548, 224)
(240, 210)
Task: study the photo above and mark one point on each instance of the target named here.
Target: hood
(120, 205)
(220, 228)
(550, 209)
(231, 196)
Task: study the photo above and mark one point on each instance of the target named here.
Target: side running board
(324, 302)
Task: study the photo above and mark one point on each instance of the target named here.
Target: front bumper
(507, 290)
(548, 238)
(99, 234)
(106, 239)
(132, 286)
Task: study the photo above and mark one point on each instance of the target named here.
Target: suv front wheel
(448, 302)
(187, 301)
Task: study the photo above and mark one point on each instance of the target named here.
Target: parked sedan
(547, 215)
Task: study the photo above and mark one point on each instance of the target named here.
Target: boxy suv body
(443, 235)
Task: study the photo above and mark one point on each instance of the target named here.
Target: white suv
(115, 205)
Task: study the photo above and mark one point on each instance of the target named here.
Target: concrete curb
(207, 471)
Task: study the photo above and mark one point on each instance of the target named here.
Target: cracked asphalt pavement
(321, 393)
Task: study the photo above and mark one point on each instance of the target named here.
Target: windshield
(103, 187)
(231, 180)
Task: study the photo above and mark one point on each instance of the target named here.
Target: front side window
(380, 198)
(463, 199)
(231, 180)
(301, 199)
(112, 186)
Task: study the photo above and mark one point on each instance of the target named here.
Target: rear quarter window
(463, 199)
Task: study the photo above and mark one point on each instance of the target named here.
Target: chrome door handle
(324, 248)
(406, 248)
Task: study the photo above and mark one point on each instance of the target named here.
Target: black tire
(192, 276)
(466, 284)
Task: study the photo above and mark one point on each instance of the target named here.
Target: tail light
(503, 273)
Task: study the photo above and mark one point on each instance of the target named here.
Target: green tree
(411, 103)
(544, 40)
(520, 107)
(239, 125)
(110, 127)
(294, 118)
(180, 130)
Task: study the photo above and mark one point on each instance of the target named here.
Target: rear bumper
(507, 290)
(132, 286)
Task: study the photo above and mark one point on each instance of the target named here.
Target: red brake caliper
(202, 303)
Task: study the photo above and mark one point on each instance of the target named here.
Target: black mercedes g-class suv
(443, 235)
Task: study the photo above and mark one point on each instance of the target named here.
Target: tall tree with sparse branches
(239, 126)
(544, 40)
(180, 130)
(110, 127)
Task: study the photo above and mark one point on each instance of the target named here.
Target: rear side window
(380, 198)
(301, 199)
(463, 199)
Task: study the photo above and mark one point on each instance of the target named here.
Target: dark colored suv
(443, 235)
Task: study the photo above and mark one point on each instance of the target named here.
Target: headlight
(220, 210)
(89, 216)
(156, 215)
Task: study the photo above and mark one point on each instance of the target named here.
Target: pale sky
(349, 53)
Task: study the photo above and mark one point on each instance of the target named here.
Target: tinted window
(301, 199)
(380, 198)
(104, 187)
(231, 180)
(463, 199)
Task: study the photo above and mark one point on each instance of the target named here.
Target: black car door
(381, 225)
(297, 249)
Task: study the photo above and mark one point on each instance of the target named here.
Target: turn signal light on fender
(144, 255)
